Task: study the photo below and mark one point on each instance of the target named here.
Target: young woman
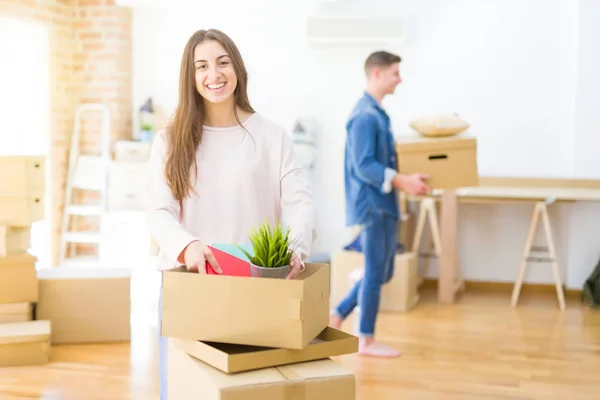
(220, 169)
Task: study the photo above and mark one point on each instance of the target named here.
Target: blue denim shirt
(370, 162)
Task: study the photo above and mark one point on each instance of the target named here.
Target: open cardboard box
(232, 358)
(246, 310)
(190, 378)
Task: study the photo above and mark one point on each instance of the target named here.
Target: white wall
(521, 72)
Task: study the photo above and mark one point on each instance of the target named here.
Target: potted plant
(272, 251)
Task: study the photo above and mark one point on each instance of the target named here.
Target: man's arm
(362, 148)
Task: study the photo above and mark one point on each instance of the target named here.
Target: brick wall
(90, 42)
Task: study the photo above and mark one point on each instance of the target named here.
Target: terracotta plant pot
(261, 272)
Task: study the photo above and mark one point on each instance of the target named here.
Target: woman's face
(215, 77)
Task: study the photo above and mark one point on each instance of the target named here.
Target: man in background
(371, 179)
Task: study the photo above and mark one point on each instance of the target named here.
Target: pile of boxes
(39, 308)
(231, 336)
(23, 341)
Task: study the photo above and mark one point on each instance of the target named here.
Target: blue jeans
(162, 355)
(379, 239)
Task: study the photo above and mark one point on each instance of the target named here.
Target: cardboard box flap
(83, 273)
(413, 144)
(317, 298)
(12, 260)
(25, 332)
(232, 358)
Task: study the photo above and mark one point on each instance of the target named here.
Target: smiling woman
(218, 63)
(220, 169)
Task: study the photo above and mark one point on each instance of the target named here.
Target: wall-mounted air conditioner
(355, 22)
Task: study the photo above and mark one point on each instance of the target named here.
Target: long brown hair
(185, 130)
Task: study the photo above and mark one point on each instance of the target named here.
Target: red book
(230, 265)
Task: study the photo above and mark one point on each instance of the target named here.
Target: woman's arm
(162, 209)
(297, 203)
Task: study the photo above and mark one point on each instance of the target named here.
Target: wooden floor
(479, 348)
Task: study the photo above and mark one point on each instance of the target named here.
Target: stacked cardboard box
(23, 341)
(233, 336)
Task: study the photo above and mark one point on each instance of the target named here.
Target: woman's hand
(296, 266)
(195, 256)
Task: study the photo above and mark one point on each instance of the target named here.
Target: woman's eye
(224, 62)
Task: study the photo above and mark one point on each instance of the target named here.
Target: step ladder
(540, 211)
(90, 173)
(428, 211)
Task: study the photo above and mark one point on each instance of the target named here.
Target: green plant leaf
(271, 245)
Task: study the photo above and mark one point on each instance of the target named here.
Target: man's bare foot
(370, 348)
(335, 322)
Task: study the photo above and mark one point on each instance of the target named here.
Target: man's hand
(195, 256)
(412, 184)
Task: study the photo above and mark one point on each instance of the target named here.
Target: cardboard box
(232, 358)
(14, 240)
(450, 161)
(16, 312)
(343, 262)
(190, 378)
(406, 230)
(400, 294)
(25, 343)
(246, 310)
(27, 175)
(22, 210)
(18, 279)
(86, 305)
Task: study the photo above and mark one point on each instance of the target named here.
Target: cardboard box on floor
(190, 379)
(400, 294)
(450, 161)
(246, 310)
(86, 305)
(233, 358)
(18, 279)
(25, 343)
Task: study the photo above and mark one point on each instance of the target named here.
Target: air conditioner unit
(354, 22)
